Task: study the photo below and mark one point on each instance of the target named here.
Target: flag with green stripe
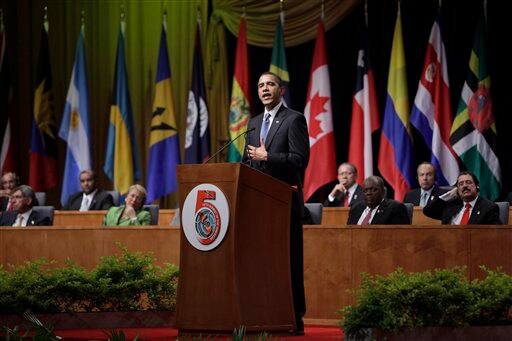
(473, 134)
(278, 61)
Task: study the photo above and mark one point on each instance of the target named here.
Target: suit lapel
(475, 213)
(259, 122)
(377, 218)
(276, 123)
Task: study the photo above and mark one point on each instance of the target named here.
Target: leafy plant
(442, 297)
(129, 282)
(115, 335)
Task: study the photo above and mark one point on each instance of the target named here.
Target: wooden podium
(245, 281)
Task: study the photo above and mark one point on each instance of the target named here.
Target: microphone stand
(228, 144)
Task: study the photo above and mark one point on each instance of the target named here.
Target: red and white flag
(365, 115)
(7, 160)
(322, 161)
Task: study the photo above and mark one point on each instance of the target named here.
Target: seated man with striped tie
(90, 198)
(428, 189)
(376, 209)
(462, 205)
(23, 198)
(8, 182)
(346, 192)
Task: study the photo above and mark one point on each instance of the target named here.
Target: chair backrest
(41, 198)
(153, 210)
(410, 209)
(315, 210)
(116, 197)
(45, 211)
(504, 207)
(176, 219)
(446, 188)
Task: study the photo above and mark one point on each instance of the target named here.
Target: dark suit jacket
(389, 212)
(287, 145)
(101, 201)
(3, 203)
(9, 217)
(485, 212)
(357, 197)
(414, 196)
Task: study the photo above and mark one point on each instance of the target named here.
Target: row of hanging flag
(468, 141)
(122, 163)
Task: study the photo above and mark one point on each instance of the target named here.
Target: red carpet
(159, 334)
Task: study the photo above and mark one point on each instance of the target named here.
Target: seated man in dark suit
(347, 192)
(428, 189)
(23, 198)
(9, 181)
(462, 205)
(377, 210)
(90, 199)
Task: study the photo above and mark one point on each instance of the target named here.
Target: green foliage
(36, 331)
(115, 335)
(442, 297)
(129, 282)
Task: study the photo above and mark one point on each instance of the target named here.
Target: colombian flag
(122, 159)
(164, 148)
(395, 154)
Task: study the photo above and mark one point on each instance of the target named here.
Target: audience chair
(41, 198)
(410, 210)
(115, 196)
(176, 219)
(446, 188)
(504, 207)
(45, 211)
(153, 210)
(315, 209)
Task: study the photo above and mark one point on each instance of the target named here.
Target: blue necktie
(264, 127)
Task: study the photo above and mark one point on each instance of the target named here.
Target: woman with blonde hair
(130, 214)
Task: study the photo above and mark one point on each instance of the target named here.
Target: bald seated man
(428, 190)
(90, 198)
(377, 210)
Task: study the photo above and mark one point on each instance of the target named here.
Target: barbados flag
(75, 129)
(396, 151)
(164, 148)
(122, 159)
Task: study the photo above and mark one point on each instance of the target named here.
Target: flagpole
(46, 24)
(366, 12)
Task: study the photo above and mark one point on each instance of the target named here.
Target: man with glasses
(23, 198)
(376, 209)
(346, 192)
(462, 205)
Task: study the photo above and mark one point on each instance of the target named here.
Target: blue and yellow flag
(164, 147)
(75, 129)
(122, 159)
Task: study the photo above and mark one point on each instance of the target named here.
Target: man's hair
(426, 163)
(14, 175)
(377, 180)
(471, 174)
(26, 192)
(278, 79)
(88, 171)
(351, 165)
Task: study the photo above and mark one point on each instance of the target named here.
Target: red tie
(366, 220)
(9, 205)
(346, 201)
(465, 215)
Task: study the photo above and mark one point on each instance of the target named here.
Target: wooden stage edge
(334, 255)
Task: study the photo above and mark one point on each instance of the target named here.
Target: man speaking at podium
(278, 145)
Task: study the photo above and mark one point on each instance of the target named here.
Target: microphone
(228, 144)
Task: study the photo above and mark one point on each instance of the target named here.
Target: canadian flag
(322, 161)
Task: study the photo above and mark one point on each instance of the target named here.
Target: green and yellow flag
(473, 135)
(278, 62)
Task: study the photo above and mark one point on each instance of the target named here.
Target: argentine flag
(75, 129)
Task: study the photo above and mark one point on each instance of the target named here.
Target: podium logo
(205, 217)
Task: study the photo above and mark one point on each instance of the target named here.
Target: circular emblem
(430, 72)
(205, 217)
(480, 109)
